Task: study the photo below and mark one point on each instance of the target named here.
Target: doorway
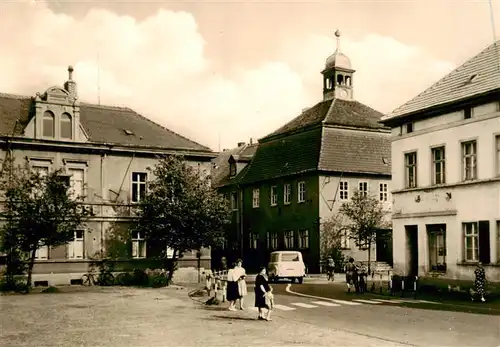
(383, 245)
(411, 250)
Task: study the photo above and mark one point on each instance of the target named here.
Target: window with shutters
(138, 245)
(76, 247)
(477, 241)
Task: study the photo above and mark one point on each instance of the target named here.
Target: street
(403, 321)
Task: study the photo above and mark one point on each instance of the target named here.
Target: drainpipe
(240, 217)
(101, 210)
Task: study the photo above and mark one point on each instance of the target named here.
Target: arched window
(348, 81)
(340, 79)
(66, 126)
(48, 125)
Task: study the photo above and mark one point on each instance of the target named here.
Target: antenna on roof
(98, 80)
(494, 33)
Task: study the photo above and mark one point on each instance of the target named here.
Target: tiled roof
(457, 84)
(104, 124)
(352, 151)
(334, 112)
(293, 154)
(334, 135)
(220, 168)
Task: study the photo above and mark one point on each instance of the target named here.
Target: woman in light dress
(236, 285)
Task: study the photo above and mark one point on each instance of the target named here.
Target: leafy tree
(365, 215)
(37, 211)
(180, 210)
(332, 231)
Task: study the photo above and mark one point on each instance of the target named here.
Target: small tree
(38, 212)
(364, 216)
(332, 231)
(180, 210)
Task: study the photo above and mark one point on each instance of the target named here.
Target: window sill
(275, 205)
(447, 185)
(474, 263)
(301, 202)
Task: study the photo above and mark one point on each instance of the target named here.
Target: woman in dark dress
(262, 289)
(480, 281)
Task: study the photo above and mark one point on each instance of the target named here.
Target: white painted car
(286, 264)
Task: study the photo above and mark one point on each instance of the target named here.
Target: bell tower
(337, 75)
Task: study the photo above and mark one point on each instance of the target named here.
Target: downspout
(101, 212)
(241, 220)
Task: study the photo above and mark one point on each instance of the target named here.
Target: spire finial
(70, 72)
(337, 34)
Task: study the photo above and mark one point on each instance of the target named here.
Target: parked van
(286, 264)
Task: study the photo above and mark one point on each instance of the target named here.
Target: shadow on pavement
(235, 318)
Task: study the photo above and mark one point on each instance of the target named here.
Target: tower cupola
(337, 75)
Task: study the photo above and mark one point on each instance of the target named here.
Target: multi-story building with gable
(106, 151)
(300, 174)
(446, 174)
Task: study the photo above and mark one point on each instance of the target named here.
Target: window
(66, 126)
(48, 124)
(477, 241)
(138, 245)
(41, 170)
(469, 160)
(344, 190)
(234, 201)
(256, 198)
(253, 240)
(409, 128)
(75, 247)
(287, 194)
(363, 188)
(497, 152)
(272, 240)
(76, 182)
(383, 191)
(303, 239)
(289, 244)
(274, 196)
(302, 191)
(436, 235)
(498, 241)
(438, 166)
(42, 253)
(467, 113)
(344, 240)
(138, 186)
(232, 169)
(411, 170)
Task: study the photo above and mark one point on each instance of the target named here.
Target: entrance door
(384, 246)
(412, 250)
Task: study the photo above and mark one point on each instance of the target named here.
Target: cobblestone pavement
(153, 317)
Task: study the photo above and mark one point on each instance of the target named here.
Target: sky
(222, 72)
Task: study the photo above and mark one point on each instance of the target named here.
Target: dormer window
(232, 169)
(48, 124)
(66, 126)
(409, 128)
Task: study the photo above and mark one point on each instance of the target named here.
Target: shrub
(125, 279)
(158, 280)
(140, 278)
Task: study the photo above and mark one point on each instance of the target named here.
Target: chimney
(70, 85)
(241, 144)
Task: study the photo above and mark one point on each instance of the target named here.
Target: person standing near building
(350, 274)
(263, 295)
(240, 275)
(232, 288)
(480, 281)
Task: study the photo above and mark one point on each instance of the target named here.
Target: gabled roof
(220, 165)
(104, 124)
(341, 112)
(478, 75)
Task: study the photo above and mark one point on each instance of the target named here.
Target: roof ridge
(108, 107)
(447, 76)
(15, 96)
(329, 109)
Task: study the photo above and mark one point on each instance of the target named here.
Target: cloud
(158, 67)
